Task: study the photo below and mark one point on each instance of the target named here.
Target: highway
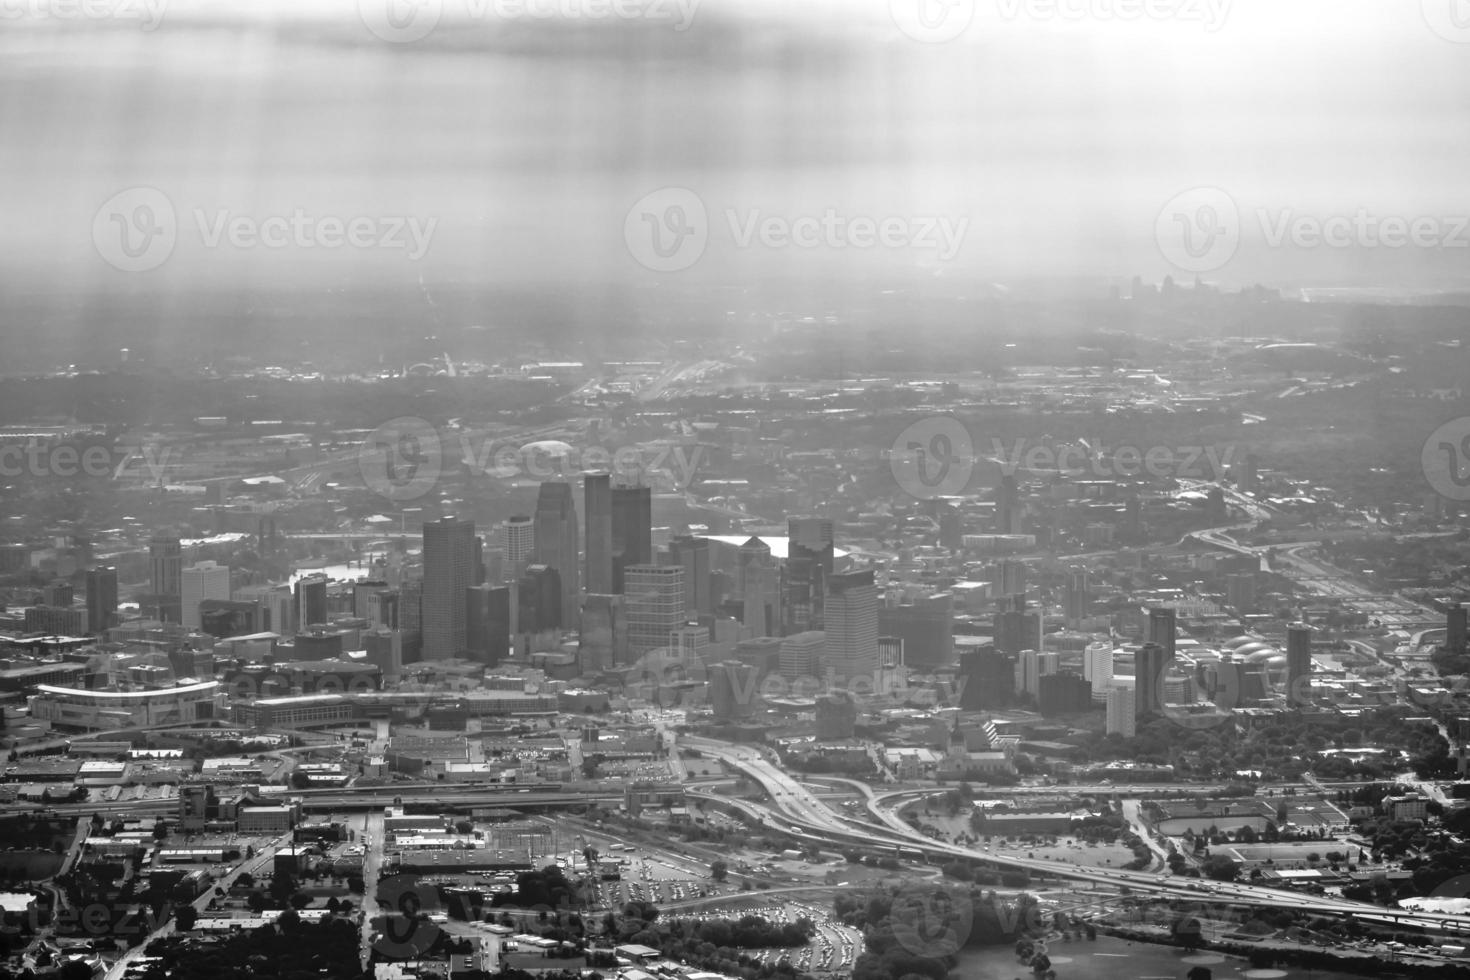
(793, 805)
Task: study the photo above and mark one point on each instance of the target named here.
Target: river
(1108, 958)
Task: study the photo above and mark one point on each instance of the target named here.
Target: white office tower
(653, 604)
(1097, 667)
(1032, 666)
(851, 627)
(518, 539)
(200, 581)
(1122, 697)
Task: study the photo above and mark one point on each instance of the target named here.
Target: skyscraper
(632, 531)
(539, 600)
(597, 504)
(1097, 667)
(1163, 629)
(200, 581)
(1148, 675)
(693, 555)
(1007, 506)
(802, 655)
(556, 544)
(1077, 600)
(487, 622)
(1241, 592)
(604, 633)
(1122, 717)
(101, 599)
(449, 547)
(1299, 664)
(654, 604)
(518, 538)
(166, 576)
(311, 601)
(926, 627)
(851, 627)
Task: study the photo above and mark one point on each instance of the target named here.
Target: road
(165, 929)
(797, 811)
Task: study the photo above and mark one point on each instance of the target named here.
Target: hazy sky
(1047, 138)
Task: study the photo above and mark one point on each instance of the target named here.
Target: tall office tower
(926, 627)
(493, 559)
(518, 540)
(761, 610)
(1016, 629)
(810, 559)
(411, 607)
(597, 505)
(1241, 592)
(1299, 661)
(1456, 621)
(382, 609)
(632, 532)
(851, 627)
(1008, 577)
(689, 639)
(200, 581)
(166, 576)
(101, 600)
(1245, 473)
(802, 655)
(487, 623)
(1122, 717)
(1031, 667)
(654, 603)
(890, 651)
(385, 650)
(812, 537)
(951, 525)
(311, 601)
(59, 594)
(557, 544)
(1163, 629)
(732, 690)
(1007, 506)
(1148, 674)
(363, 591)
(604, 634)
(539, 601)
(1097, 667)
(693, 555)
(1216, 513)
(987, 680)
(449, 546)
(1177, 687)
(1077, 599)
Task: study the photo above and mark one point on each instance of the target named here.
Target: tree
(1220, 867)
(719, 870)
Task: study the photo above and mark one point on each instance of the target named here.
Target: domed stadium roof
(552, 447)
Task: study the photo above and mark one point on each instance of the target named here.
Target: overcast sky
(1052, 140)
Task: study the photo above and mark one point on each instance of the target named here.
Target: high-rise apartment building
(1299, 663)
(1122, 716)
(693, 555)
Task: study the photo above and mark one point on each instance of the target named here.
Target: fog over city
(734, 489)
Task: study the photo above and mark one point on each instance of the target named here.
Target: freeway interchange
(794, 810)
